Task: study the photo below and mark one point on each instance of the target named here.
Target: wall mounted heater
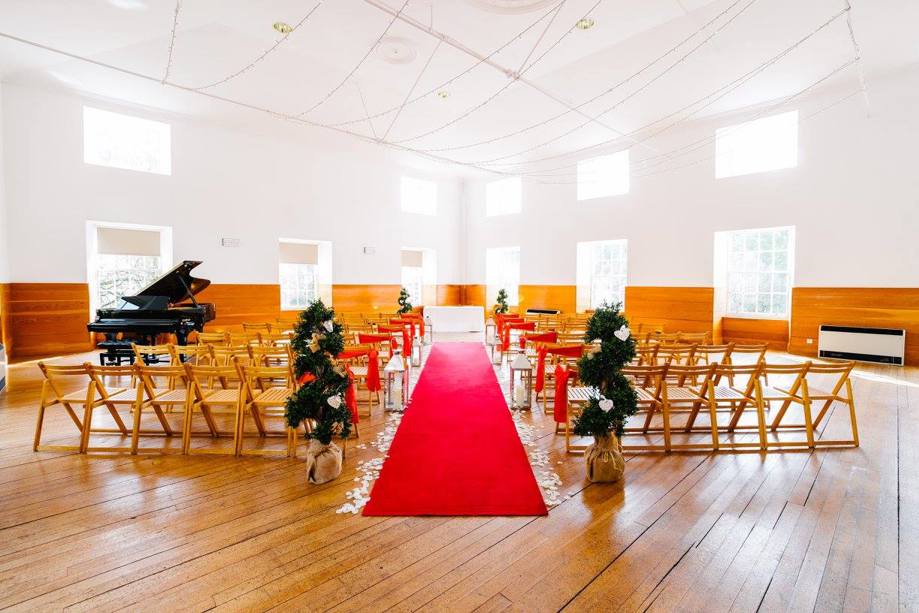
(881, 345)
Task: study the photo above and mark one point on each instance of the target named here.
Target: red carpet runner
(456, 451)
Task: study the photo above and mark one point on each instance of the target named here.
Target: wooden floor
(824, 531)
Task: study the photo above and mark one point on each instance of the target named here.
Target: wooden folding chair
(709, 354)
(282, 325)
(162, 389)
(841, 372)
(113, 397)
(268, 355)
(156, 354)
(253, 330)
(213, 338)
(212, 400)
(646, 355)
(689, 389)
(749, 354)
(265, 391)
(794, 393)
(736, 400)
(54, 392)
(223, 356)
(699, 338)
(275, 339)
(649, 384)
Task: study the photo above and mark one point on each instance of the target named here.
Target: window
(124, 259)
(761, 145)
(413, 275)
(601, 270)
(298, 274)
(419, 196)
(607, 175)
(502, 271)
(759, 271)
(503, 197)
(122, 141)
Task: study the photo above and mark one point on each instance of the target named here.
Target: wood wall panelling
(562, 297)
(45, 319)
(853, 306)
(449, 295)
(4, 312)
(365, 298)
(474, 295)
(741, 330)
(677, 309)
(242, 303)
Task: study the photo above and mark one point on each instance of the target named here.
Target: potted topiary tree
(501, 306)
(404, 305)
(320, 398)
(604, 417)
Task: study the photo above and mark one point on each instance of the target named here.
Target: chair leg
(808, 420)
(135, 428)
(665, 412)
(851, 402)
(41, 417)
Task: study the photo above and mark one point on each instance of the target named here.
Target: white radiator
(881, 345)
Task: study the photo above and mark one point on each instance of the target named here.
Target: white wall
(225, 183)
(854, 199)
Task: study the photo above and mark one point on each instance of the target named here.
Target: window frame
(93, 156)
(615, 161)
(585, 278)
(727, 138)
(493, 208)
(729, 270)
(513, 298)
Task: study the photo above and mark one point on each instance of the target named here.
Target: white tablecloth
(456, 318)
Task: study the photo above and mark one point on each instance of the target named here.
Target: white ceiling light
(585, 23)
(511, 7)
(283, 28)
(397, 50)
(443, 94)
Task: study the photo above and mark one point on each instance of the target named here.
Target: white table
(456, 318)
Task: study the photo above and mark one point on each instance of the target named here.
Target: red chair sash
(527, 326)
(571, 351)
(351, 398)
(372, 339)
(541, 337)
(419, 320)
(373, 365)
(560, 407)
(503, 318)
(406, 341)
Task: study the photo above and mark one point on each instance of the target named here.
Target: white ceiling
(540, 114)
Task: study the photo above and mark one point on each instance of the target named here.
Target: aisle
(456, 451)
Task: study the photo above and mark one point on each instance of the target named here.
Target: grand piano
(159, 308)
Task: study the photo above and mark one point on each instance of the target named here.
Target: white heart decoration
(334, 401)
(606, 405)
(623, 333)
(328, 325)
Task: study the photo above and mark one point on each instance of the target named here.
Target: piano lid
(176, 283)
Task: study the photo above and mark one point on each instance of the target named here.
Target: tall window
(601, 273)
(760, 264)
(770, 143)
(413, 275)
(502, 271)
(419, 196)
(123, 260)
(607, 175)
(122, 141)
(298, 274)
(503, 197)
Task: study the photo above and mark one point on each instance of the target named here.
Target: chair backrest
(213, 338)
(160, 377)
(836, 373)
(648, 377)
(571, 338)
(284, 325)
(56, 375)
(646, 355)
(714, 353)
(102, 376)
(223, 356)
(201, 379)
(692, 337)
(257, 378)
(274, 338)
(697, 375)
(733, 372)
(676, 355)
(261, 355)
(151, 354)
(747, 354)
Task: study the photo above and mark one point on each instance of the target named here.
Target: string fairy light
(632, 94)
(358, 65)
(609, 90)
(172, 40)
(451, 80)
(264, 54)
(411, 89)
(719, 93)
